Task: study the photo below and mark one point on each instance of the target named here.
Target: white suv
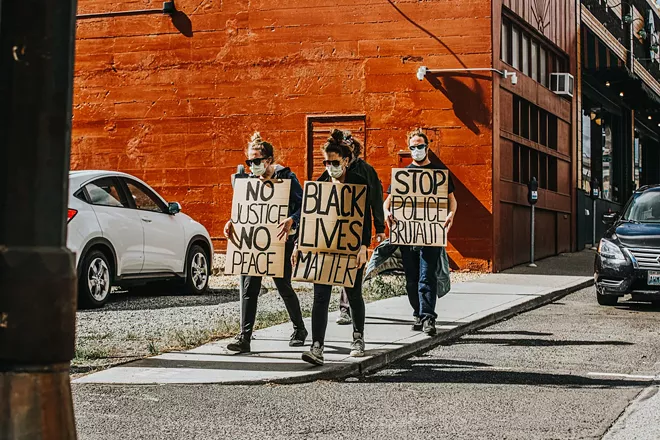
(123, 233)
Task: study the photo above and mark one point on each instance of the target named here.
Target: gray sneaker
(429, 327)
(315, 355)
(344, 319)
(357, 347)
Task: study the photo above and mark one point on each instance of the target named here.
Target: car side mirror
(174, 208)
(610, 217)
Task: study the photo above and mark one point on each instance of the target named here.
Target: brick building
(174, 98)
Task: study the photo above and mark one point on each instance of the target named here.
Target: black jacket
(358, 179)
(370, 175)
(295, 194)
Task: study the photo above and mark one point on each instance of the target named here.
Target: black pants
(344, 305)
(322, 295)
(252, 288)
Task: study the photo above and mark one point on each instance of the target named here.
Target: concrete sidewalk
(388, 334)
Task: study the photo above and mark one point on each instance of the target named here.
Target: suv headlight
(609, 250)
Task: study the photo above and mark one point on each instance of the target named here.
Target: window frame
(150, 193)
(123, 198)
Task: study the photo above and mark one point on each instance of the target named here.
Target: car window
(644, 208)
(104, 192)
(145, 200)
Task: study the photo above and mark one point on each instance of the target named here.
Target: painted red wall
(174, 101)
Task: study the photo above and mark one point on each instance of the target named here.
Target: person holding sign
(337, 158)
(421, 260)
(361, 167)
(261, 161)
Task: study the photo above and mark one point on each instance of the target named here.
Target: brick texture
(174, 100)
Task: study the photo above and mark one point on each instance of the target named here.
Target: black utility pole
(37, 280)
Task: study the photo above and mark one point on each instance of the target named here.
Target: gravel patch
(133, 326)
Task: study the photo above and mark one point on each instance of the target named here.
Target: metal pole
(37, 277)
(593, 232)
(531, 247)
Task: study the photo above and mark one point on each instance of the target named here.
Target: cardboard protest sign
(330, 233)
(419, 203)
(258, 207)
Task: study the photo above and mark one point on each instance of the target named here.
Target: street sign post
(532, 198)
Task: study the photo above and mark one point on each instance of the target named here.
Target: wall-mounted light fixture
(168, 8)
(628, 19)
(423, 70)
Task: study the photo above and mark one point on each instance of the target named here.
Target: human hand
(229, 229)
(285, 227)
(294, 257)
(361, 257)
(449, 221)
(380, 237)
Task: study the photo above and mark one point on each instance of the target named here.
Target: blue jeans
(420, 265)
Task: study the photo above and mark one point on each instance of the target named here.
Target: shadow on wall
(183, 24)
(471, 234)
(468, 103)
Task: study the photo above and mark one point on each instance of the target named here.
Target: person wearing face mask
(261, 161)
(337, 159)
(375, 205)
(420, 263)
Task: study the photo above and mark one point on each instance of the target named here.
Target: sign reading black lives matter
(258, 207)
(330, 233)
(419, 204)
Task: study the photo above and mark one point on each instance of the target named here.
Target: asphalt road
(567, 370)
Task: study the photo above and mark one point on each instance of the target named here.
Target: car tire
(606, 300)
(198, 271)
(95, 281)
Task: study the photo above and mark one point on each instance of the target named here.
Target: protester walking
(420, 263)
(338, 156)
(369, 174)
(261, 161)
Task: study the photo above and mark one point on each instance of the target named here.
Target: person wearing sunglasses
(337, 159)
(361, 167)
(421, 262)
(261, 162)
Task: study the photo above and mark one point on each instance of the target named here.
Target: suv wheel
(95, 280)
(198, 269)
(606, 300)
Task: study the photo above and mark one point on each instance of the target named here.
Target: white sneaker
(344, 319)
(357, 347)
(315, 355)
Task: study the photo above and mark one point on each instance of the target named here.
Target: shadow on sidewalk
(570, 264)
(456, 372)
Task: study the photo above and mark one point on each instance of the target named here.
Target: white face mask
(258, 170)
(335, 172)
(418, 155)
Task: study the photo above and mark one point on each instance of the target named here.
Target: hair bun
(336, 137)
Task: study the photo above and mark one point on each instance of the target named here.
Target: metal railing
(607, 17)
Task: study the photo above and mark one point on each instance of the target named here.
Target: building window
(529, 162)
(543, 68)
(515, 47)
(637, 163)
(530, 53)
(506, 39)
(534, 123)
(586, 153)
(608, 178)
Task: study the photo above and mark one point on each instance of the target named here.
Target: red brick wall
(175, 101)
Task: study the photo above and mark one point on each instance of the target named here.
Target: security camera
(514, 79)
(421, 73)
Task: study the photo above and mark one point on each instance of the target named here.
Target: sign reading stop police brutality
(419, 204)
(258, 207)
(330, 233)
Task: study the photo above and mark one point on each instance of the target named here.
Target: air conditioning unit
(562, 84)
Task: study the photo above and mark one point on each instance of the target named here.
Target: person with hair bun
(337, 159)
(374, 204)
(261, 161)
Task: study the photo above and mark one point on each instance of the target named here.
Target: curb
(381, 360)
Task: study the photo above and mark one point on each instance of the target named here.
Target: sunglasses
(334, 163)
(256, 161)
(418, 147)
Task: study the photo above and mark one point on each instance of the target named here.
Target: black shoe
(241, 344)
(298, 338)
(429, 327)
(418, 325)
